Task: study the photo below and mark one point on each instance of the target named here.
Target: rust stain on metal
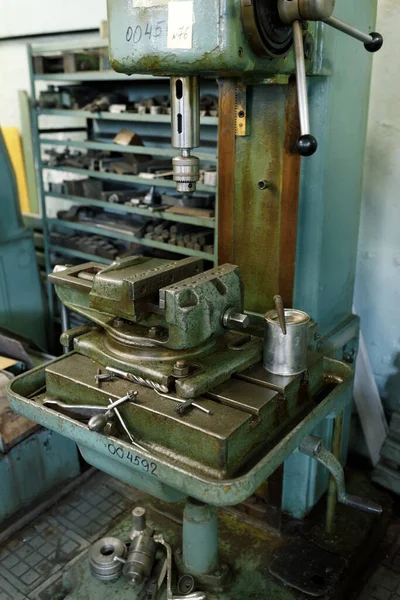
(257, 210)
(290, 197)
(226, 170)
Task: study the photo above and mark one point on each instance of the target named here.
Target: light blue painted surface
(33, 467)
(329, 212)
(200, 538)
(22, 308)
(377, 292)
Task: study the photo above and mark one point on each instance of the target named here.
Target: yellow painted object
(14, 147)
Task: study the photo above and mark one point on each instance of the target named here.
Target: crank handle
(313, 446)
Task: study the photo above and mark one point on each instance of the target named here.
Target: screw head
(118, 322)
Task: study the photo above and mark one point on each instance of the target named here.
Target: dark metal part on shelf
(103, 103)
(88, 244)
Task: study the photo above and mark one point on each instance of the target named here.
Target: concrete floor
(32, 560)
(384, 582)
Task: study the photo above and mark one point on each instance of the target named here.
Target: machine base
(250, 549)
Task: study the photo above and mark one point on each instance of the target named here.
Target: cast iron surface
(167, 478)
(210, 364)
(128, 297)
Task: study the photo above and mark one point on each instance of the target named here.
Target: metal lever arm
(372, 41)
(294, 13)
(314, 447)
(306, 145)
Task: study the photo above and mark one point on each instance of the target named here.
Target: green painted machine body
(330, 183)
(168, 476)
(327, 230)
(142, 40)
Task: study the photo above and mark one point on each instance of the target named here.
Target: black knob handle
(376, 43)
(306, 145)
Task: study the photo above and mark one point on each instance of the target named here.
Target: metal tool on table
(98, 422)
(184, 406)
(137, 379)
(87, 411)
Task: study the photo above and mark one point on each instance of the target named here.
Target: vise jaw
(186, 305)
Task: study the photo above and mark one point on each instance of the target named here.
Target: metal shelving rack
(42, 138)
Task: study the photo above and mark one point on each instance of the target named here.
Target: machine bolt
(180, 369)
(153, 332)
(234, 320)
(118, 322)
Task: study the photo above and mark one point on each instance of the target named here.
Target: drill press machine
(180, 386)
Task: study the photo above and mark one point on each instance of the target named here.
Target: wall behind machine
(24, 17)
(14, 70)
(377, 294)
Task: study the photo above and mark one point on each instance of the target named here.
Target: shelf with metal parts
(86, 131)
(123, 116)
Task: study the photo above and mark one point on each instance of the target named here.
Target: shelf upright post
(42, 197)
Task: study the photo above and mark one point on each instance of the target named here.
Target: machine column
(200, 538)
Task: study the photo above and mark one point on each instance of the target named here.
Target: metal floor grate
(33, 559)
